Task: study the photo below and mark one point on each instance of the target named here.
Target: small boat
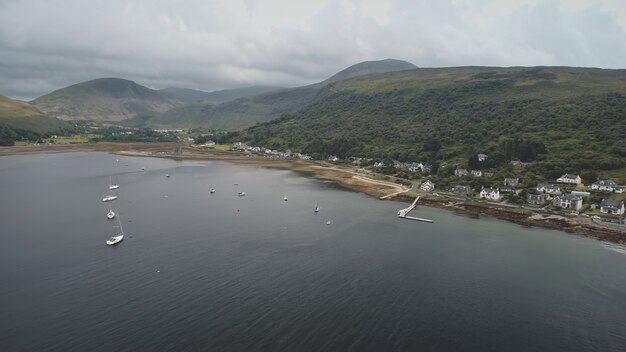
(110, 214)
(118, 237)
(285, 199)
(167, 175)
(317, 209)
(241, 194)
(328, 222)
(143, 169)
(109, 198)
(112, 185)
(212, 190)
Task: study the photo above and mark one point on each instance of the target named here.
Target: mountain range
(123, 101)
(560, 118)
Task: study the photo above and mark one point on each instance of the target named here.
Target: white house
(607, 185)
(427, 186)
(548, 188)
(477, 173)
(414, 167)
(209, 143)
(513, 182)
(379, 164)
(460, 172)
(482, 157)
(490, 193)
(612, 207)
(333, 158)
(570, 178)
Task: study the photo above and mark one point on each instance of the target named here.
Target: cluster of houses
(408, 166)
(270, 152)
(475, 173)
(574, 199)
(546, 193)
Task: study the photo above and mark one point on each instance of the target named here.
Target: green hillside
(21, 120)
(446, 115)
(104, 99)
(245, 112)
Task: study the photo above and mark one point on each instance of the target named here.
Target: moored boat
(109, 198)
(118, 237)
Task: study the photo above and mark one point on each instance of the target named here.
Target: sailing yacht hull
(115, 240)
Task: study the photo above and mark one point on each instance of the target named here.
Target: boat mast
(119, 220)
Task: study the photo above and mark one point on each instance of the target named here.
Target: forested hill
(445, 115)
(247, 111)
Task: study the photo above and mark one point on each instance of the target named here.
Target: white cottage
(490, 193)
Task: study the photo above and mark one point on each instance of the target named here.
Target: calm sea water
(218, 272)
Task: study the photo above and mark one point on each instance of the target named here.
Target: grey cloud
(209, 45)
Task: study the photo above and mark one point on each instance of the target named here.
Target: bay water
(219, 272)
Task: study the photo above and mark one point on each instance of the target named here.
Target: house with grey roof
(482, 157)
(513, 182)
(477, 173)
(570, 178)
(568, 201)
(607, 185)
(427, 186)
(490, 193)
(461, 189)
(612, 207)
(538, 199)
(548, 188)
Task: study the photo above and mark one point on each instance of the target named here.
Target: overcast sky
(214, 44)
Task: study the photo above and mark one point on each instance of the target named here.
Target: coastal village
(565, 195)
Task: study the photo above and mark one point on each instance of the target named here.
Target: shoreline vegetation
(345, 177)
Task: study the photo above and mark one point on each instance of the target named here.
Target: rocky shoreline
(531, 219)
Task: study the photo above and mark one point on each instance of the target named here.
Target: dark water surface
(225, 273)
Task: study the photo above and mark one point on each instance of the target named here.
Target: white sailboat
(285, 199)
(112, 185)
(317, 209)
(118, 237)
(212, 190)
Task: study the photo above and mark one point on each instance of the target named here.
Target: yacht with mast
(112, 185)
(118, 237)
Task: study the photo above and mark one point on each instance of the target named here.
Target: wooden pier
(403, 213)
(414, 218)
